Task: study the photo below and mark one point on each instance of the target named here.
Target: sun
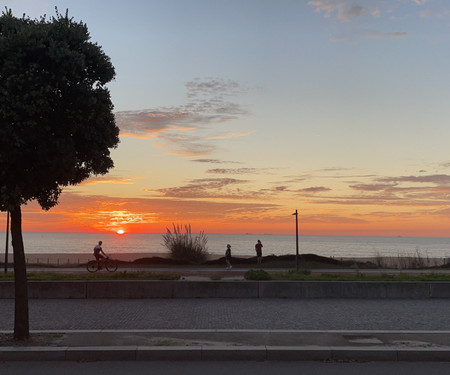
(120, 231)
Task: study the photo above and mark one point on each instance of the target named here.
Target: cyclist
(98, 251)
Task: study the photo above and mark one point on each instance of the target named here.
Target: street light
(7, 240)
(296, 238)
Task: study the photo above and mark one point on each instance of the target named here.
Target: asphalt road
(219, 313)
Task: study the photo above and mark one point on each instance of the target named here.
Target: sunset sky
(235, 113)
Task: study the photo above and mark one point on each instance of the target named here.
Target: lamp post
(296, 238)
(7, 240)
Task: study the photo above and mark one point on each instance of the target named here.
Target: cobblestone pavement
(326, 314)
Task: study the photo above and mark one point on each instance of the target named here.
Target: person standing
(258, 249)
(228, 257)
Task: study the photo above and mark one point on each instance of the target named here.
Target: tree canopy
(56, 119)
(56, 122)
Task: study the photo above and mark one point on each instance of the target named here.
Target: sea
(241, 244)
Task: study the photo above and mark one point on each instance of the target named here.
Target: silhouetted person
(258, 249)
(228, 257)
(98, 251)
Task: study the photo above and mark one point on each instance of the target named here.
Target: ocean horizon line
(242, 234)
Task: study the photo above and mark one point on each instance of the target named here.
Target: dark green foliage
(56, 120)
(257, 275)
(184, 246)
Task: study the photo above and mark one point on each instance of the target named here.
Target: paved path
(289, 314)
(236, 272)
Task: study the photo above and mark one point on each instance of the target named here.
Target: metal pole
(296, 239)
(7, 241)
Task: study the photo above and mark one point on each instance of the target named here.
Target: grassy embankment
(307, 262)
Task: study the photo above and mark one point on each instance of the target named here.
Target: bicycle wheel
(111, 265)
(92, 266)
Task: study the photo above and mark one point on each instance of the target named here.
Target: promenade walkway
(228, 328)
(218, 313)
(213, 329)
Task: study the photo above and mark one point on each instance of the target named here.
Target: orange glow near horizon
(94, 214)
(430, 228)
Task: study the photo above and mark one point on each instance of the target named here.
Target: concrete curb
(229, 289)
(293, 345)
(208, 353)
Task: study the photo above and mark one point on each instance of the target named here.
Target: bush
(184, 246)
(257, 275)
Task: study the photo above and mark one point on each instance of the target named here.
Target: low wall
(229, 289)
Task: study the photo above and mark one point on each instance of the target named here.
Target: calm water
(336, 246)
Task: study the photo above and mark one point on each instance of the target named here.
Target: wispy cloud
(332, 219)
(104, 213)
(379, 34)
(372, 187)
(230, 135)
(208, 188)
(184, 144)
(438, 179)
(314, 189)
(149, 124)
(108, 180)
(442, 12)
(212, 87)
(215, 161)
(390, 191)
(359, 18)
(346, 11)
(180, 129)
(238, 170)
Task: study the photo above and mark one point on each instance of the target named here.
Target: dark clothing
(258, 248)
(228, 254)
(97, 250)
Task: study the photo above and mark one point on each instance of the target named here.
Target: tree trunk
(21, 322)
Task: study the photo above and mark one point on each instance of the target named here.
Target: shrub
(257, 275)
(184, 246)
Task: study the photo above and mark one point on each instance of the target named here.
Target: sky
(235, 113)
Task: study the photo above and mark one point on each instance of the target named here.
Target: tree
(56, 121)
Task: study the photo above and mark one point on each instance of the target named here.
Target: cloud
(359, 19)
(346, 11)
(149, 124)
(230, 135)
(214, 189)
(314, 189)
(420, 2)
(372, 187)
(104, 213)
(402, 191)
(214, 87)
(442, 13)
(438, 179)
(185, 145)
(179, 128)
(332, 219)
(379, 34)
(215, 161)
(238, 170)
(108, 180)
(205, 188)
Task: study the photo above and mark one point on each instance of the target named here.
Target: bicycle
(110, 264)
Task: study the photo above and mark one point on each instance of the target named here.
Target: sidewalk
(148, 345)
